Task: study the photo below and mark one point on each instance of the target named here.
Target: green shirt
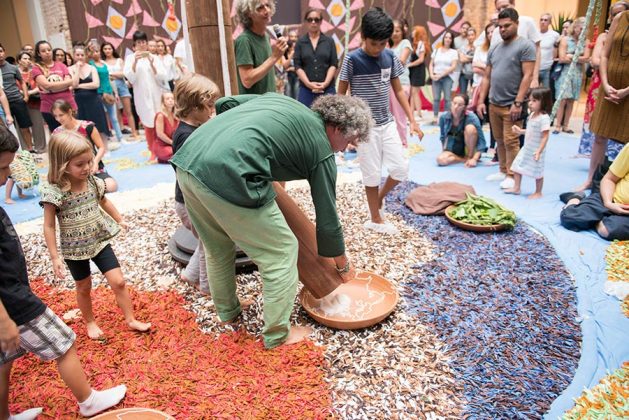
(103, 75)
(253, 50)
(239, 153)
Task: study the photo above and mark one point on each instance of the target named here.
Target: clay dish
(137, 413)
(471, 227)
(373, 298)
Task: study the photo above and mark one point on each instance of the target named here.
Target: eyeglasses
(544, 20)
(313, 20)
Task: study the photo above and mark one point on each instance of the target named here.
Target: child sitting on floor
(27, 324)
(530, 159)
(371, 72)
(87, 223)
(195, 96)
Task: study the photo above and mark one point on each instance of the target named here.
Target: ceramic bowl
(137, 413)
(372, 299)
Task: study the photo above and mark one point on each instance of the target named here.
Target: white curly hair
(245, 8)
(351, 115)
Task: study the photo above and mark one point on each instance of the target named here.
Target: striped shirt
(370, 79)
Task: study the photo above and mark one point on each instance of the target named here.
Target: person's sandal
(568, 131)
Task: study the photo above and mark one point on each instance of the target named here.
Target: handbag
(109, 98)
(555, 71)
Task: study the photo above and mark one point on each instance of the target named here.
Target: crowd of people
(113, 96)
(231, 153)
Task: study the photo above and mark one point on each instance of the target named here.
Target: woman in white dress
(145, 72)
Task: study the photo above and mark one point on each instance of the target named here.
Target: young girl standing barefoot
(87, 222)
(530, 159)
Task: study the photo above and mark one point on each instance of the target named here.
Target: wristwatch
(518, 104)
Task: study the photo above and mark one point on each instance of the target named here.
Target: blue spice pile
(504, 305)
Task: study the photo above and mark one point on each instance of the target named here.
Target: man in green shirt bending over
(226, 169)
(255, 58)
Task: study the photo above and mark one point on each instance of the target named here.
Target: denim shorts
(123, 89)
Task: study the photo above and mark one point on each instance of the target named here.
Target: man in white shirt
(547, 49)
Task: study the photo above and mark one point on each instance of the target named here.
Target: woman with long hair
(58, 54)
(479, 64)
(466, 56)
(25, 64)
(165, 125)
(108, 94)
(567, 88)
(441, 68)
(53, 80)
(402, 48)
(115, 65)
(86, 83)
(168, 62)
(417, 66)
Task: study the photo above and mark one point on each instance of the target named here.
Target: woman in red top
(165, 125)
(53, 80)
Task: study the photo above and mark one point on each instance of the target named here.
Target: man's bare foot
(9, 201)
(234, 322)
(534, 196)
(515, 191)
(297, 333)
(22, 196)
(245, 303)
(94, 332)
(139, 326)
(583, 187)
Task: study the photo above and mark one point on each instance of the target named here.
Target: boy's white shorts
(384, 149)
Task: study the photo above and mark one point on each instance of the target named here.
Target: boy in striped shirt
(372, 72)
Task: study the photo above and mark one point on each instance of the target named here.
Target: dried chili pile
(607, 400)
(176, 368)
(617, 261)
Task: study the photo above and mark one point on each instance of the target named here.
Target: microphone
(277, 30)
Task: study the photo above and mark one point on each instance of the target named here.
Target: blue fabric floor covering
(605, 328)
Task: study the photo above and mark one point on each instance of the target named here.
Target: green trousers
(264, 235)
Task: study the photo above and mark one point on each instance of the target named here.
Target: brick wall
(56, 19)
(478, 12)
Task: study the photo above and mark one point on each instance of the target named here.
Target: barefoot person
(87, 223)
(461, 136)
(28, 325)
(226, 170)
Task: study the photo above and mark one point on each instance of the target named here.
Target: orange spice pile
(176, 368)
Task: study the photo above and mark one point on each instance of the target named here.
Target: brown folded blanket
(436, 197)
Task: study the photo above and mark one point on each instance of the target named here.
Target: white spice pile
(396, 369)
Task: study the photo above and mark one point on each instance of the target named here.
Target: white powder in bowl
(336, 304)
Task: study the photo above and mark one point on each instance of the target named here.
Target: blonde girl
(165, 125)
(87, 223)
